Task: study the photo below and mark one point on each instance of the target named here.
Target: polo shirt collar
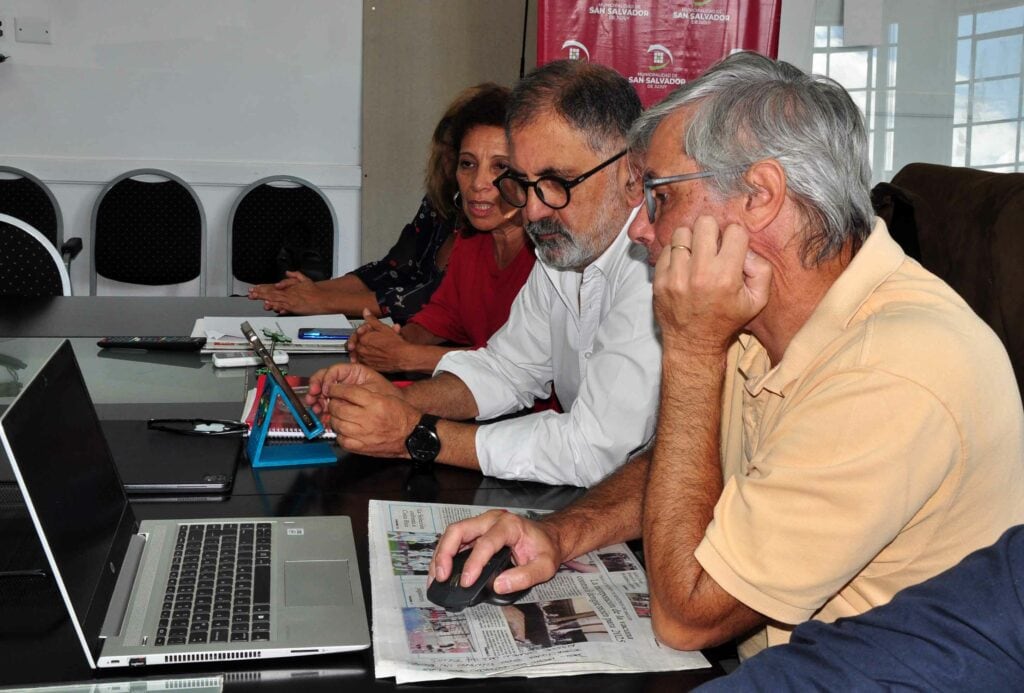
(876, 261)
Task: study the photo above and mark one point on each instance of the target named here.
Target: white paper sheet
(225, 333)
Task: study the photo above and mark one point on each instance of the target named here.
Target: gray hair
(749, 108)
(592, 98)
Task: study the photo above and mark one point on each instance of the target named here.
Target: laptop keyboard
(218, 589)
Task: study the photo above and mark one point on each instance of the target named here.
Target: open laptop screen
(56, 447)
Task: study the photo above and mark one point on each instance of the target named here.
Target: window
(987, 117)
(869, 74)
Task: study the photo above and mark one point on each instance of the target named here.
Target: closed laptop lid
(157, 462)
(63, 465)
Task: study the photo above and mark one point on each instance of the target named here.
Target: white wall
(220, 93)
(796, 32)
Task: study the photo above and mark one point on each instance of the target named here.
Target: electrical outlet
(4, 27)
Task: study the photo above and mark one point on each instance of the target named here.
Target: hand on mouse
(535, 549)
(451, 595)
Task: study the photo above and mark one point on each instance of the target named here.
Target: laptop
(170, 591)
(157, 469)
(162, 465)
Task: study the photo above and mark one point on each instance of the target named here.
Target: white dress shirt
(593, 335)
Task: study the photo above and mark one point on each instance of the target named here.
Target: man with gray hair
(583, 322)
(835, 423)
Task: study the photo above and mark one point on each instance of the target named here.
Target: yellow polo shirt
(885, 446)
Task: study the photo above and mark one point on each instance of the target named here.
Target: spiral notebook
(282, 423)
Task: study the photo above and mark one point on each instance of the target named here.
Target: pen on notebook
(240, 344)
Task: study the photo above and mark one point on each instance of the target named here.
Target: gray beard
(565, 251)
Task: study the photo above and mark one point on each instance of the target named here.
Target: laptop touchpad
(317, 583)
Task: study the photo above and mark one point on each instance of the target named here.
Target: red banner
(656, 44)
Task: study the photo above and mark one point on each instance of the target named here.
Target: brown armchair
(966, 226)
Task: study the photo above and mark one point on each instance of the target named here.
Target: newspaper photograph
(593, 616)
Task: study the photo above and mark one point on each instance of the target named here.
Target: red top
(475, 297)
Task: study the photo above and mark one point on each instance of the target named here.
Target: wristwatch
(423, 443)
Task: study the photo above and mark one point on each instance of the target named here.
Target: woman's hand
(377, 345)
(290, 279)
(295, 294)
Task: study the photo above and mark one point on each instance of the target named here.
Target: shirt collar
(567, 282)
(877, 259)
(615, 253)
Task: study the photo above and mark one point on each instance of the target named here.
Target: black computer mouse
(450, 595)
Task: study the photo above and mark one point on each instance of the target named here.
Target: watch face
(423, 444)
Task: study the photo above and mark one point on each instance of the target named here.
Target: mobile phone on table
(306, 416)
(325, 332)
(232, 359)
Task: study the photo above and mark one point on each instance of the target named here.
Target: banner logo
(574, 50)
(696, 14)
(661, 57)
(621, 11)
(656, 44)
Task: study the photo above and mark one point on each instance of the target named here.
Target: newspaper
(592, 617)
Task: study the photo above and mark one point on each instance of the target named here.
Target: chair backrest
(277, 223)
(964, 225)
(29, 264)
(25, 197)
(148, 230)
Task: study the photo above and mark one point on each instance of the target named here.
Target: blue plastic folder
(279, 454)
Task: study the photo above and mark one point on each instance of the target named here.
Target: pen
(31, 572)
(240, 344)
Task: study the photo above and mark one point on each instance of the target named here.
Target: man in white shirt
(583, 322)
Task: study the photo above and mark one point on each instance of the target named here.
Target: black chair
(29, 263)
(280, 223)
(25, 197)
(148, 230)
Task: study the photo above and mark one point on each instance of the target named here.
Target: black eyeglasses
(198, 427)
(551, 190)
(650, 183)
